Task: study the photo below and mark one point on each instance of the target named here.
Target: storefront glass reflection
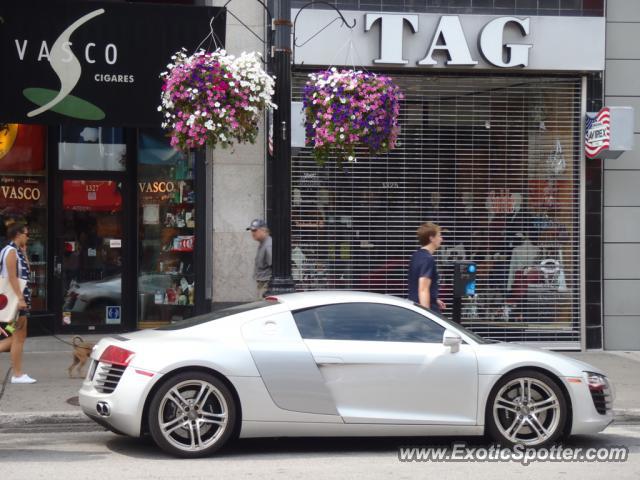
(23, 197)
(92, 148)
(91, 252)
(167, 216)
(493, 160)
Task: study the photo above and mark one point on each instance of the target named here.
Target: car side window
(367, 322)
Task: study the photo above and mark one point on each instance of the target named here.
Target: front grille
(601, 400)
(107, 377)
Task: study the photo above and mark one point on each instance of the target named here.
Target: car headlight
(596, 381)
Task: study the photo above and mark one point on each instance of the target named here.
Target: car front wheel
(192, 415)
(528, 408)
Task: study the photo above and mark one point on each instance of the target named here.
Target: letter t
(391, 30)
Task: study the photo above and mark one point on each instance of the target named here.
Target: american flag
(601, 120)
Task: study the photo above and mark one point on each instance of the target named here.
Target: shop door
(90, 253)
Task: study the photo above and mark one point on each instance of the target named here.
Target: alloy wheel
(527, 411)
(193, 415)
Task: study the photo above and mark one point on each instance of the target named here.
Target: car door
(387, 364)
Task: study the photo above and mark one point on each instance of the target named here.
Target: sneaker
(24, 378)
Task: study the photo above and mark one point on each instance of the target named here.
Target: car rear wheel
(192, 415)
(527, 408)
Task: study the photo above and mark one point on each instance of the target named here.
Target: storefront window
(166, 202)
(23, 197)
(92, 148)
(495, 161)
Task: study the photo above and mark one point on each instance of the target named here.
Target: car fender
(229, 358)
(497, 360)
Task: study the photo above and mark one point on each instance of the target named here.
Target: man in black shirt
(423, 278)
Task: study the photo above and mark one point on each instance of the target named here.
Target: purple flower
(346, 109)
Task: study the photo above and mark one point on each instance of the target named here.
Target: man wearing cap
(262, 266)
(423, 278)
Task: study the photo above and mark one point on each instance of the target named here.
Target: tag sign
(115, 243)
(609, 132)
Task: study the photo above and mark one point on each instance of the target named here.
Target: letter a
(454, 43)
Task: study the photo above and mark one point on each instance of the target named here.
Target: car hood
(497, 358)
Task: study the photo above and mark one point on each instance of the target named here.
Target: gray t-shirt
(262, 270)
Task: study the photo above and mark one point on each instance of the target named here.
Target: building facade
(129, 234)
(621, 200)
(123, 229)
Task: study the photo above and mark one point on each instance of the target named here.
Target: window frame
(304, 333)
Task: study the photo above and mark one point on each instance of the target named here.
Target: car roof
(298, 300)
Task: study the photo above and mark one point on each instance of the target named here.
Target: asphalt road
(103, 455)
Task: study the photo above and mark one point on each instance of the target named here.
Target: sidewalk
(53, 400)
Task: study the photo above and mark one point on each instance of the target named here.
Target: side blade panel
(286, 366)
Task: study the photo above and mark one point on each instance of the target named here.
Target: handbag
(8, 298)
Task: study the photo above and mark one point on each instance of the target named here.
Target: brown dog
(81, 353)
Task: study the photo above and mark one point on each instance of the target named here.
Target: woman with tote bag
(15, 266)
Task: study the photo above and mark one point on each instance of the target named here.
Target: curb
(43, 420)
(628, 415)
(52, 420)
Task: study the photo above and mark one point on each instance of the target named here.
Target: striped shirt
(22, 269)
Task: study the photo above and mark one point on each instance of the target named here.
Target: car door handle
(325, 360)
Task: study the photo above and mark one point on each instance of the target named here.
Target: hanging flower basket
(346, 109)
(214, 98)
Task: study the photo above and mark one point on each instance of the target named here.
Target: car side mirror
(451, 339)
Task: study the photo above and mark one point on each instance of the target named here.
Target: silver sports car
(335, 364)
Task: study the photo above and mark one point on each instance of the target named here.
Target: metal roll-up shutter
(495, 160)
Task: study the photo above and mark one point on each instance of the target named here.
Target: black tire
(200, 426)
(536, 422)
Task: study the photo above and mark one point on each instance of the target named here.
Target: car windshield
(217, 314)
(457, 326)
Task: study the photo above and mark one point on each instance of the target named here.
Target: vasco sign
(91, 62)
(16, 191)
